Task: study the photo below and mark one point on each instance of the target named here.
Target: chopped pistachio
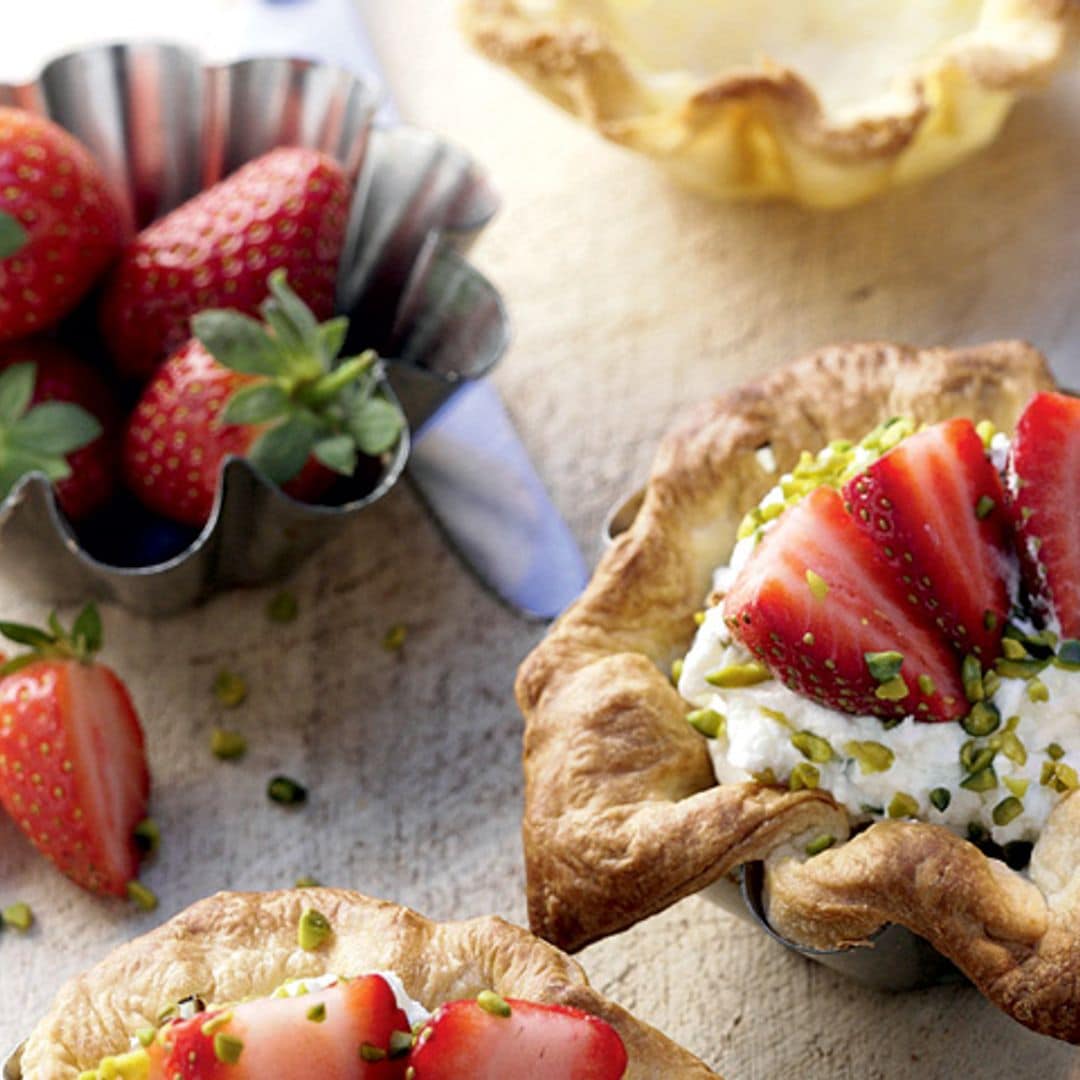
(228, 1048)
(926, 685)
(884, 666)
(765, 776)
(282, 607)
(1019, 669)
(227, 745)
(819, 844)
(401, 1042)
(990, 620)
(873, 757)
(977, 834)
(307, 882)
(983, 780)
(1037, 691)
(775, 714)
(141, 896)
(986, 431)
(804, 775)
(1068, 655)
(18, 916)
(940, 798)
(699, 618)
(1014, 650)
(1017, 785)
(229, 688)
(808, 638)
(314, 928)
(1013, 748)
(971, 674)
(370, 1052)
(147, 836)
(1059, 776)
(733, 675)
(991, 683)
(1055, 751)
(984, 507)
(317, 1013)
(394, 638)
(146, 1035)
(1007, 810)
(903, 805)
(818, 585)
(677, 666)
(286, 791)
(812, 747)
(984, 719)
(708, 721)
(894, 689)
(492, 1003)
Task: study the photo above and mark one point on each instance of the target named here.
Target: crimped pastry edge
(234, 946)
(623, 816)
(761, 131)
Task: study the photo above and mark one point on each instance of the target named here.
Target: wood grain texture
(630, 298)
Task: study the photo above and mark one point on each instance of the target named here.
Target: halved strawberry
(1045, 461)
(73, 770)
(345, 1032)
(820, 606)
(935, 507)
(516, 1040)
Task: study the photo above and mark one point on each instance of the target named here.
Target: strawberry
(818, 603)
(60, 225)
(1045, 465)
(73, 771)
(353, 1030)
(493, 1039)
(272, 393)
(287, 209)
(936, 509)
(75, 444)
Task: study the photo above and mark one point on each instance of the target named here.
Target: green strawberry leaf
(16, 390)
(15, 463)
(17, 663)
(13, 237)
(375, 424)
(256, 404)
(332, 336)
(54, 428)
(238, 342)
(86, 633)
(22, 634)
(294, 309)
(337, 453)
(281, 452)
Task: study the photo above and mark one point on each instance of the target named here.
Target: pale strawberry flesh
(935, 507)
(535, 1042)
(817, 596)
(73, 771)
(1045, 467)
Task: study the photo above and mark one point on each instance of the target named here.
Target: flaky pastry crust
(761, 130)
(234, 946)
(623, 815)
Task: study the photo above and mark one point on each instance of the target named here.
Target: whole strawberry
(274, 393)
(73, 771)
(287, 210)
(60, 225)
(59, 441)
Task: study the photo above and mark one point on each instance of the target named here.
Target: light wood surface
(629, 299)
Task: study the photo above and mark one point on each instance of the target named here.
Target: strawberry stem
(328, 387)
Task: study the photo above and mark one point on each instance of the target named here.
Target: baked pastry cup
(820, 102)
(623, 814)
(236, 946)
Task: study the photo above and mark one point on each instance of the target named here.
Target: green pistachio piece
(983, 719)
(812, 747)
(1055, 751)
(147, 836)
(18, 916)
(818, 586)
(884, 666)
(1017, 785)
(971, 674)
(1014, 650)
(986, 431)
(1013, 748)
(699, 618)
(228, 1048)
(975, 756)
(282, 607)
(1019, 669)
(984, 507)
(141, 896)
(820, 843)
(1037, 691)
(227, 745)
(765, 776)
(370, 1052)
(709, 722)
(1059, 777)
(394, 638)
(492, 1003)
(940, 798)
(977, 833)
(748, 674)
(990, 620)
(873, 757)
(804, 775)
(983, 780)
(894, 689)
(307, 882)
(991, 683)
(216, 1023)
(146, 1035)
(317, 1013)
(903, 805)
(313, 929)
(926, 685)
(401, 1042)
(1068, 655)
(1007, 810)
(677, 670)
(286, 791)
(229, 688)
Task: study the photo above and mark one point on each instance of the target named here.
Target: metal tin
(165, 125)
(894, 958)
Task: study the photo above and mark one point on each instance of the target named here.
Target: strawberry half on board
(820, 606)
(73, 771)
(1044, 468)
(274, 393)
(57, 416)
(285, 210)
(60, 226)
(493, 1038)
(935, 508)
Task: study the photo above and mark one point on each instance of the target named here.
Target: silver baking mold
(165, 125)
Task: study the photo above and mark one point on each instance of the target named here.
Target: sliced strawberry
(73, 769)
(936, 509)
(531, 1042)
(1045, 462)
(817, 598)
(341, 1033)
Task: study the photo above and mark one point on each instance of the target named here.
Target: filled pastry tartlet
(822, 102)
(842, 637)
(327, 983)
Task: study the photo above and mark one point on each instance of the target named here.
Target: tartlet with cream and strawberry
(876, 642)
(328, 983)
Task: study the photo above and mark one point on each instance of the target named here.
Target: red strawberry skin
(817, 645)
(535, 1042)
(918, 503)
(174, 446)
(63, 376)
(73, 771)
(55, 189)
(286, 209)
(1045, 462)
